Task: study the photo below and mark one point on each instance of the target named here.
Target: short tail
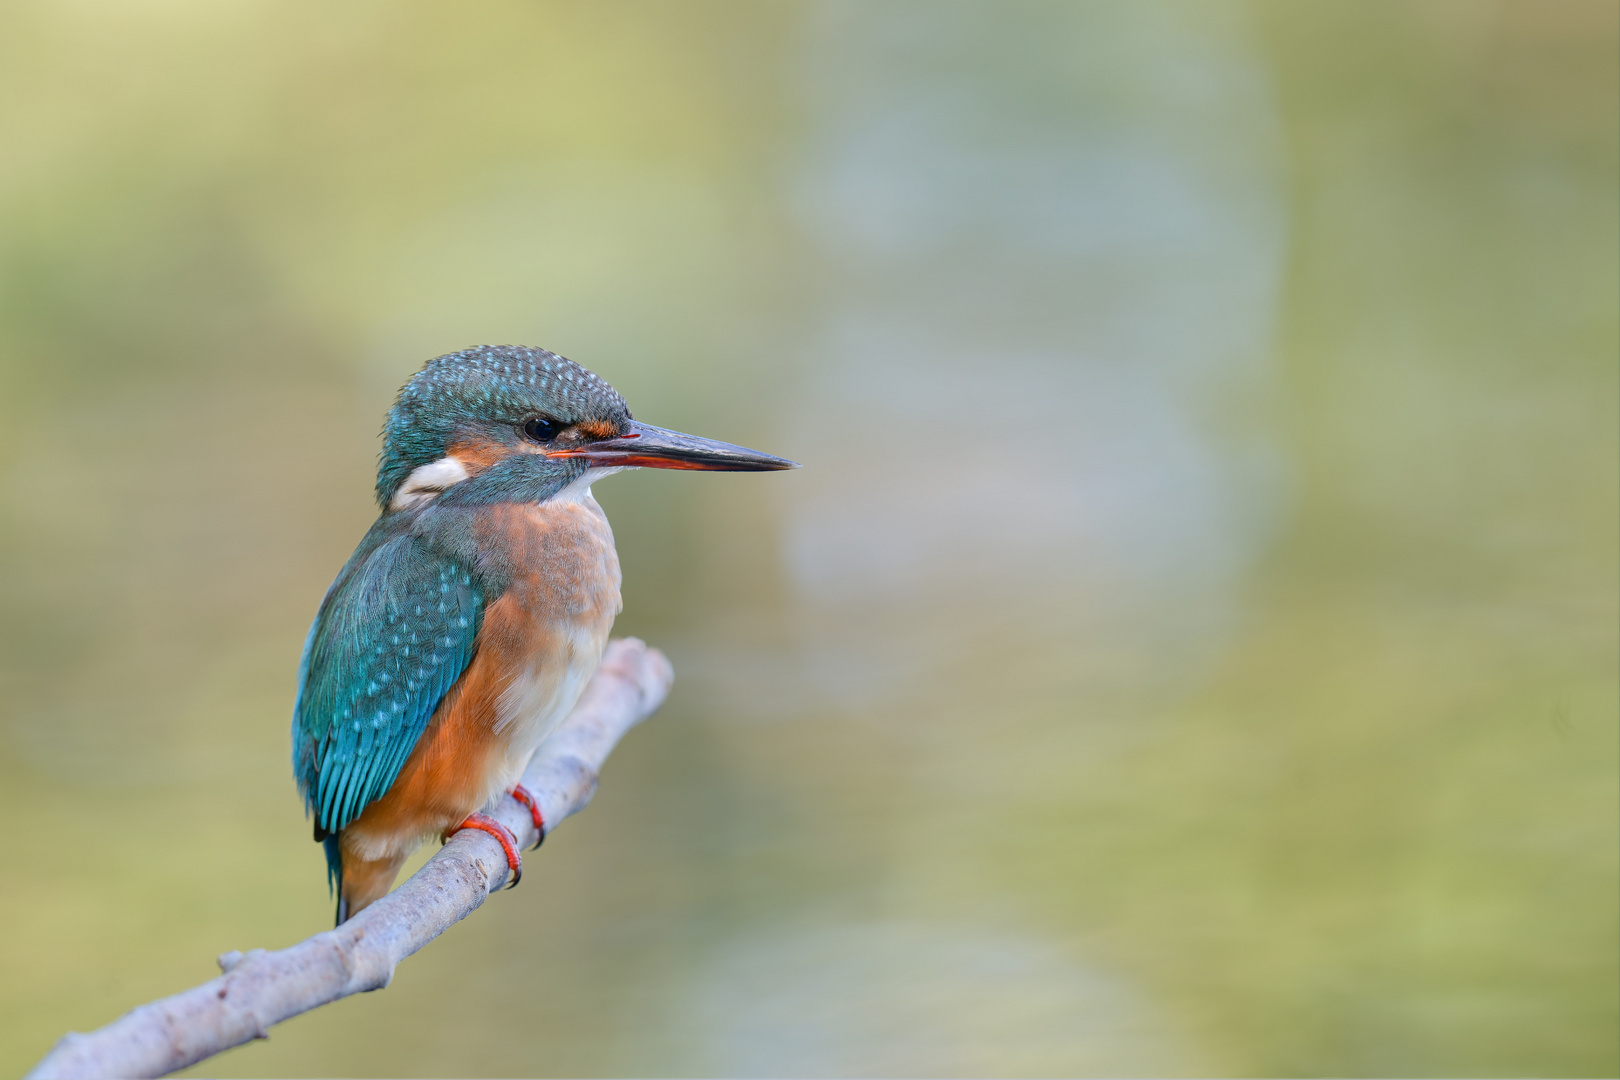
(365, 881)
(360, 882)
(334, 873)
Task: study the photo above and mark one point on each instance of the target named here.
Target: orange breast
(538, 645)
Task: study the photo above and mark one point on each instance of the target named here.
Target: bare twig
(264, 988)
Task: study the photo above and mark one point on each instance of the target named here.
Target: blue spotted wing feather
(394, 633)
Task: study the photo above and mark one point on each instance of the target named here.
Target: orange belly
(538, 645)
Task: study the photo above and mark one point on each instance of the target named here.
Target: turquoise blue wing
(395, 632)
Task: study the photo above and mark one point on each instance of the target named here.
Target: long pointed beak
(660, 448)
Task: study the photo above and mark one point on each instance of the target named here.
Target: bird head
(526, 423)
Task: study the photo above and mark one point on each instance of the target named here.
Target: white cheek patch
(427, 482)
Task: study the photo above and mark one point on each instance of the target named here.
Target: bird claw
(526, 797)
(502, 835)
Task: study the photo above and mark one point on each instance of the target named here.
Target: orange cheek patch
(598, 429)
(476, 455)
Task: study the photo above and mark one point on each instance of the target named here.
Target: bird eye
(540, 428)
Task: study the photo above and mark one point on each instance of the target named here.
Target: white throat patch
(580, 490)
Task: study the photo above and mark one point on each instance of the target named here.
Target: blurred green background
(1189, 649)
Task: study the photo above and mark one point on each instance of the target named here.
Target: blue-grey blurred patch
(913, 999)
(1038, 383)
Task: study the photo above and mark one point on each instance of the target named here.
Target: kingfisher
(472, 614)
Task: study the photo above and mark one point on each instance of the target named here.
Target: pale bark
(264, 988)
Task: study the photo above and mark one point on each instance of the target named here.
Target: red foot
(508, 842)
(526, 797)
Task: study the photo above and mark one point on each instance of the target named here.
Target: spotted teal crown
(487, 391)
